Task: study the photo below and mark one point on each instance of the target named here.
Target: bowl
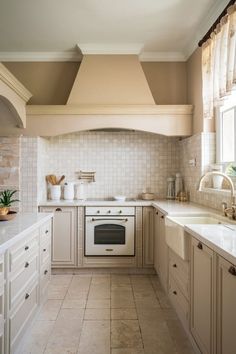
(147, 196)
(120, 198)
(8, 216)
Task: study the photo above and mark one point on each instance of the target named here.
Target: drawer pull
(26, 264)
(175, 265)
(109, 249)
(46, 232)
(232, 270)
(200, 245)
(26, 296)
(46, 271)
(175, 292)
(26, 248)
(44, 250)
(58, 209)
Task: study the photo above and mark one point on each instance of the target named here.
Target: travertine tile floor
(106, 314)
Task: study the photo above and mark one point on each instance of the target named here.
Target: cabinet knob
(109, 212)
(46, 232)
(120, 211)
(232, 270)
(162, 217)
(58, 209)
(98, 211)
(26, 264)
(200, 245)
(46, 271)
(175, 265)
(26, 248)
(26, 296)
(157, 213)
(175, 292)
(44, 250)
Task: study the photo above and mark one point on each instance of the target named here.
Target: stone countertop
(78, 203)
(13, 230)
(170, 207)
(220, 238)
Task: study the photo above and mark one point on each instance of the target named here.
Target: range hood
(109, 92)
(110, 80)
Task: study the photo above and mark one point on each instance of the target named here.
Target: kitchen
(132, 249)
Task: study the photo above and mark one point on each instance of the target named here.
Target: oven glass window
(109, 234)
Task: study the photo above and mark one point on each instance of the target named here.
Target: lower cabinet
(202, 296)
(179, 287)
(226, 309)
(148, 237)
(24, 263)
(161, 249)
(64, 237)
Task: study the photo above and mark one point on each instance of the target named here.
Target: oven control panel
(110, 210)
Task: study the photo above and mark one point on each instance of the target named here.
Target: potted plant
(6, 200)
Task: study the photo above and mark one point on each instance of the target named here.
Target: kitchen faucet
(231, 211)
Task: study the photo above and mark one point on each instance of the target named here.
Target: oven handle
(109, 219)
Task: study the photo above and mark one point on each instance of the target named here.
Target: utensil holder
(55, 192)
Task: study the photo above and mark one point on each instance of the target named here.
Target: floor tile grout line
(137, 313)
(58, 312)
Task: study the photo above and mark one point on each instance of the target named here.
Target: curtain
(219, 63)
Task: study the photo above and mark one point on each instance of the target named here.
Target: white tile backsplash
(125, 162)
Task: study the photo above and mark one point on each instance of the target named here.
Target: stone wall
(10, 163)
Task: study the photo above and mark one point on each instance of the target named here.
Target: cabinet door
(148, 237)
(162, 251)
(156, 240)
(226, 310)
(202, 291)
(64, 245)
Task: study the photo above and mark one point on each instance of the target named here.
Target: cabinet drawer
(45, 253)
(21, 317)
(179, 302)
(179, 270)
(45, 232)
(21, 278)
(23, 250)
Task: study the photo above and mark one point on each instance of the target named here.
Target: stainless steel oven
(109, 231)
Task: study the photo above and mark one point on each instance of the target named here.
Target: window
(226, 131)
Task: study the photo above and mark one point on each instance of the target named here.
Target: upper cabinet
(13, 98)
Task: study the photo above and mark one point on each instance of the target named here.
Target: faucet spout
(218, 173)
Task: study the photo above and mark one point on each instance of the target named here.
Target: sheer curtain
(219, 63)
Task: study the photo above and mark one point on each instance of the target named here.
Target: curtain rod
(213, 27)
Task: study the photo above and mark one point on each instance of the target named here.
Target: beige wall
(194, 91)
(49, 82)
(167, 81)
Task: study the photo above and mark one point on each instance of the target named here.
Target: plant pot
(9, 216)
(4, 210)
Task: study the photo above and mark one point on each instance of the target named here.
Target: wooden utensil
(61, 179)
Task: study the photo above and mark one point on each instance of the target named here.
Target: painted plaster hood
(110, 80)
(109, 91)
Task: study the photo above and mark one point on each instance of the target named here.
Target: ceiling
(156, 28)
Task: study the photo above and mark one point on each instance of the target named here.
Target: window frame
(229, 104)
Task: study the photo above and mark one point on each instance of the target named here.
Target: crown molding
(40, 56)
(10, 80)
(162, 56)
(110, 48)
(211, 15)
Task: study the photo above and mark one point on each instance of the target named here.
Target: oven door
(109, 236)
